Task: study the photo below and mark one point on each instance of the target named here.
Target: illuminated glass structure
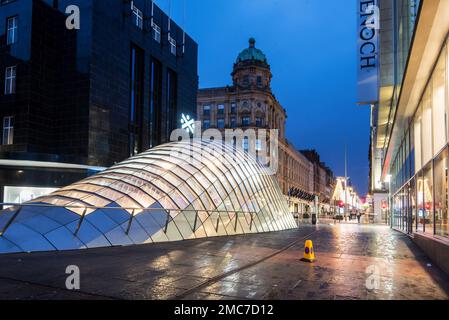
(181, 190)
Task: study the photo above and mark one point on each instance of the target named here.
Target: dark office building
(73, 101)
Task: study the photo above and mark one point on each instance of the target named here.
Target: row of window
(221, 108)
(138, 19)
(246, 122)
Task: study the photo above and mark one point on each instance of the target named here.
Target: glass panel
(417, 139)
(428, 198)
(413, 205)
(438, 105)
(441, 194)
(427, 152)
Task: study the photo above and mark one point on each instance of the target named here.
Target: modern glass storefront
(420, 167)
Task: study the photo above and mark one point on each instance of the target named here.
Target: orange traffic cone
(309, 253)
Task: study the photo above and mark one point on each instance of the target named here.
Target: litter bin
(314, 221)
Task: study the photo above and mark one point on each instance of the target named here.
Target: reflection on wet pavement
(354, 262)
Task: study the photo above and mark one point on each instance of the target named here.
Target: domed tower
(251, 70)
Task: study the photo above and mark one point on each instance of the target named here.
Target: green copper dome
(251, 53)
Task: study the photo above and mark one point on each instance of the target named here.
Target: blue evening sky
(311, 47)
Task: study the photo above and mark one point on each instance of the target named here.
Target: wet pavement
(353, 262)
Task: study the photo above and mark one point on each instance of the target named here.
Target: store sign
(368, 51)
(188, 123)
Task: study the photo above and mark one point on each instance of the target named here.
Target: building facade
(74, 101)
(249, 103)
(410, 139)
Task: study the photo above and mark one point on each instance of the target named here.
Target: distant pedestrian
(358, 217)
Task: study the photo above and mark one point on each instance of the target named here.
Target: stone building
(323, 180)
(249, 103)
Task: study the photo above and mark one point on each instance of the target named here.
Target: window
(24, 194)
(417, 139)
(259, 81)
(426, 138)
(172, 104)
(156, 32)
(246, 80)
(172, 45)
(206, 124)
(136, 100)
(233, 122)
(220, 109)
(258, 145)
(137, 16)
(10, 80)
(156, 103)
(245, 121)
(11, 26)
(428, 199)
(441, 188)
(8, 130)
(245, 144)
(220, 123)
(259, 122)
(233, 108)
(206, 111)
(439, 105)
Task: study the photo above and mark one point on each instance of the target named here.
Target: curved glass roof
(180, 190)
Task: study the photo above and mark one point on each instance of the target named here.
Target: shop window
(413, 206)
(428, 198)
(420, 202)
(18, 195)
(441, 194)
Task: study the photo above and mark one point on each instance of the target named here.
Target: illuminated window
(10, 80)
(156, 32)
(206, 110)
(12, 26)
(8, 130)
(137, 16)
(172, 43)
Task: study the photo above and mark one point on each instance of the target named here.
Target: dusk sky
(311, 47)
